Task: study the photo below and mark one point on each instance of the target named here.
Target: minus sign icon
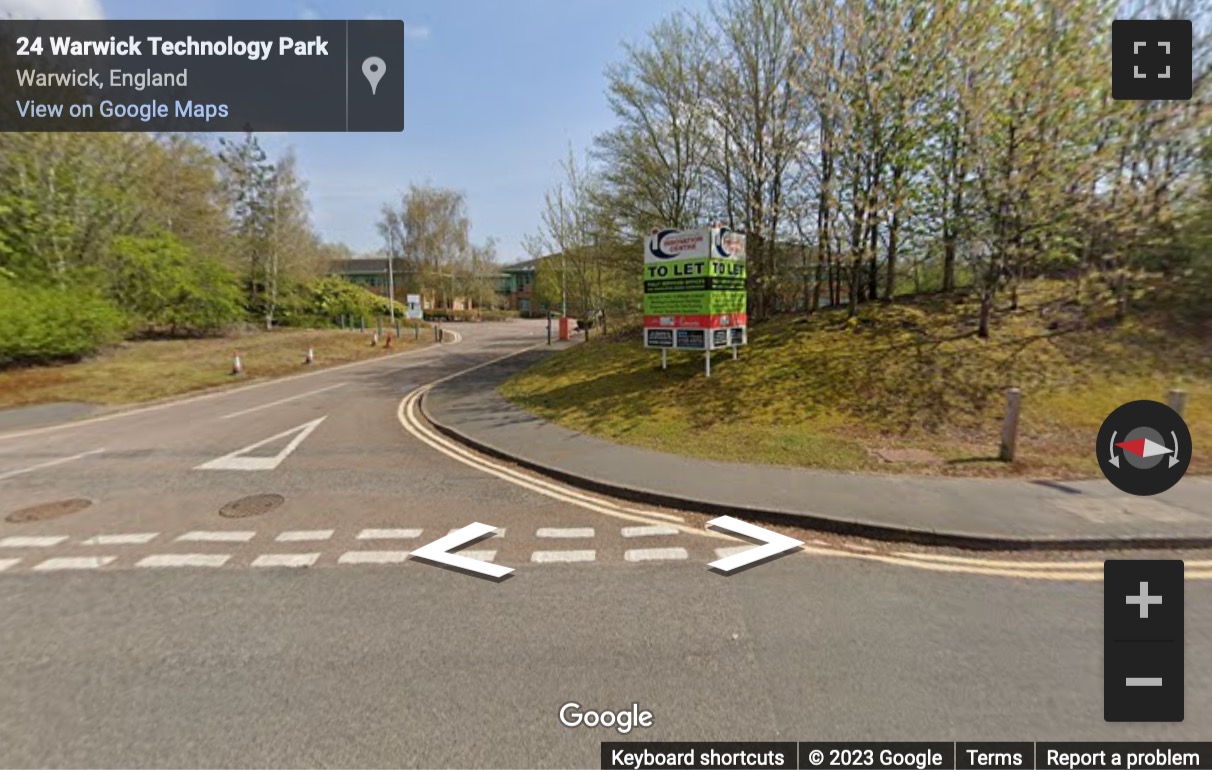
(1144, 681)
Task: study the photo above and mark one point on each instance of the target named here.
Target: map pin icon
(373, 68)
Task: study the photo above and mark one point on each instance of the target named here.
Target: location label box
(1143, 640)
(302, 76)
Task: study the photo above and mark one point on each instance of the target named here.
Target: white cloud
(65, 10)
(309, 14)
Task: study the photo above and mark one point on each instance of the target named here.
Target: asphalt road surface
(148, 630)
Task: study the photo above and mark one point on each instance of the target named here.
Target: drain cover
(253, 505)
(44, 511)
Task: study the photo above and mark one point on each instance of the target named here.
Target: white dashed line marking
(389, 534)
(372, 557)
(285, 560)
(6, 563)
(655, 554)
(184, 560)
(569, 532)
(562, 557)
(75, 562)
(652, 530)
(217, 537)
(304, 535)
(136, 538)
(27, 541)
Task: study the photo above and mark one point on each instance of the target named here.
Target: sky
(495, 93)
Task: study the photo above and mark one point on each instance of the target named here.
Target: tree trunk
(873, 267)
(986, 310)
(893, 231)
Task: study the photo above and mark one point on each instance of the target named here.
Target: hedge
(45, 324)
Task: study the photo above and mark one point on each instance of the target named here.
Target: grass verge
(909, 380)
(146, 370)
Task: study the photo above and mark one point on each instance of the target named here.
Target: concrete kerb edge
(856, 528)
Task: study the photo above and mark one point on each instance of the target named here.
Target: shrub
(168, 290)
(470, 315)
(326, 299)
(44, 324)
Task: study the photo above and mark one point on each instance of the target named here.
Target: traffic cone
(237, 366)
(311, 357)
(374, 339)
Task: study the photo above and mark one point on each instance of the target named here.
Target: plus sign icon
(1151, 59)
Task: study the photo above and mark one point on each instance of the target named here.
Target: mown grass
(147, 370)
(828, 392)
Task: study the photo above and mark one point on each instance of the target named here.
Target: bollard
(362, 323)
(311, 357)
(387, 342)
(1177, 400)
(397, 328)
(416, 331)
(237, 366)
(374, 339)
(1010, 425)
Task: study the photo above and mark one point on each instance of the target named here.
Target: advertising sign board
(695, 279)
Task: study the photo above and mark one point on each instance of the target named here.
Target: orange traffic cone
(237, 366)
(311, 357)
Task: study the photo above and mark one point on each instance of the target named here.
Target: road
(148, 630)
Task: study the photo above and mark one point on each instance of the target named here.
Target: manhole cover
(253, 505)
(44, 511)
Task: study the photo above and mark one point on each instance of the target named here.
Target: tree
(655, 160)
(432, 230)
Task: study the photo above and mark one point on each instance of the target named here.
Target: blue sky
(495, 90)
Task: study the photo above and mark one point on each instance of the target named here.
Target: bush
(325, 300)
(470, 315)
(42, 324)
(168, 290)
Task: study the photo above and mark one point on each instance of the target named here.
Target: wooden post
(664, 359)
(1010, 425)
(1177, 399)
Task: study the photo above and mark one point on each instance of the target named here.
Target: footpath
(989, 514)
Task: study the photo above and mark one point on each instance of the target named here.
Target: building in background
(371, 273)
(518, 288)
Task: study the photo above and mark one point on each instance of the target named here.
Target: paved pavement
(42, 415)
(364, 660)
(971, 513)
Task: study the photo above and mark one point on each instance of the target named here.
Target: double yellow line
(408, 414)
(1044, 569)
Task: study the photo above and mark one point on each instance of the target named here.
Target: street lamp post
(391, 279)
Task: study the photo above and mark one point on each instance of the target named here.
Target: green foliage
(324, 300)
(469, 315)
(168, 290)
(43, 324)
